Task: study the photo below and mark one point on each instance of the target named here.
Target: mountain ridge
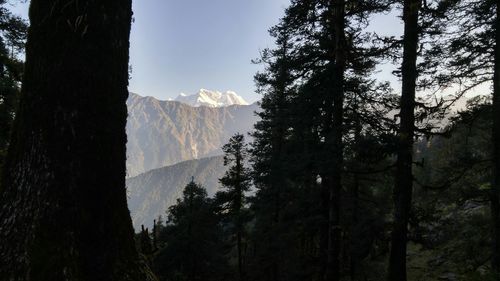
(151, 193)
(162, 133)
(210, 98)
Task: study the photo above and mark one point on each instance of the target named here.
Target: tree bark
(404, 177)
(495, 187)
(63, 211)
(337, 11)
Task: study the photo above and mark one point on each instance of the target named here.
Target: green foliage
(231, 201)
(191, 245)
(281, 232)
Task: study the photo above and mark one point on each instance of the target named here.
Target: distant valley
(162, 133)
(171, 141)
(151, 193)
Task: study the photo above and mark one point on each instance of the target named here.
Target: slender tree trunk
(354, 224)
(63, 210)
(277, 174)
(404, 178)
(355, 209)
(239, 206)
(240, 256)
(334, 229)
(353, 231)
(495, 187)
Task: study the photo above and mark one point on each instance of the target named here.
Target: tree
(495, 196)
(193, 246)
(334, 135)
(311, 77)
(471, 57)
(403, 175)
(145, 243)
(268, 156)
(232, 199)
(63, 208)
(12, 36)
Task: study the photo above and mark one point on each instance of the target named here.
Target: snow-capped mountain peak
(210, 98)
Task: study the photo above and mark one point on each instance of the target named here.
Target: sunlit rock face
(162, 133)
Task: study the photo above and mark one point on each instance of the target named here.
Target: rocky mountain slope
(151, 193)
(162, 133)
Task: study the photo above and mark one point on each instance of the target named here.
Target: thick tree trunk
(404, 178)
(335, 181)
(63, 212)
(495, 188)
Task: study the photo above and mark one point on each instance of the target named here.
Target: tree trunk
(63, 213)
(239, 206)
(240, 256)
(335, 182)
(495, 187)
(404, 178)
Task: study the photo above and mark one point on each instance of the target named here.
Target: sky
(185, 45)
(181, 46)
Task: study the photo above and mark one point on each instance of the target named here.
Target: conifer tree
(12, 39)
(232, 198)
(192, 240)
(269, 164)
(495, 187)
(403, 175)
(474, 59)
(321, 66)
(470, 57)
(145, 241)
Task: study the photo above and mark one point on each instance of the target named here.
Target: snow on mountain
(211, 99)
(161, 133)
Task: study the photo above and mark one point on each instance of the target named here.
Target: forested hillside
(151, 193)
(354, 179)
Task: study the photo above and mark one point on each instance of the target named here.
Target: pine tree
(471, 59)
(495, 187)
(403, 175)
(145, 241)
(268, 156)
(322, 69)
(232, 198)
(192, 240)
(63, 209)
(12, 39)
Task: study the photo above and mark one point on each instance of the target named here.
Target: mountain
(211, 99)
(151, 193)
(162, 133)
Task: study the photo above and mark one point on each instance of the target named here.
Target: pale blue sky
(184, 45)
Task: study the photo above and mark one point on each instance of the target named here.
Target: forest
(346, 176)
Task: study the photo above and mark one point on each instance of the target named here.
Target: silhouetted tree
(268, 155)
(311, 76)
(495, 201)
(404, 163)
(63, 208)
(471, 57)
(232, 200)
(12, 38)
(193, 246)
